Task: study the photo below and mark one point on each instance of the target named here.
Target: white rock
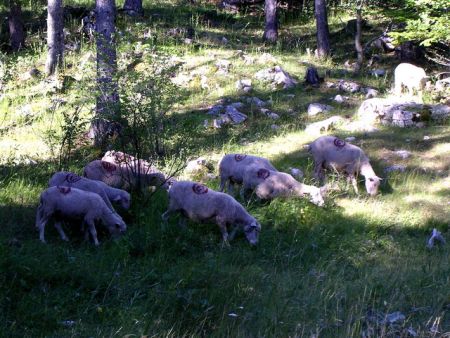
(395, 167)
(275, 127)
(317, 108)
(235, 115)
(339, 99)
(256, 101)
(378, 72)
(350, 139)
(325, 125)
(297, 173)
(404, 154)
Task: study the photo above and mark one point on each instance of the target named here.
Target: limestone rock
(317, 108)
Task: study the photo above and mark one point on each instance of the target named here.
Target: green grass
(327, 272)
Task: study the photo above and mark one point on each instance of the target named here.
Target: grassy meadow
(338, 271)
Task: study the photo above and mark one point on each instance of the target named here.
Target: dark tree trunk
(55, 36)
(358, 44)
(323, 41)
(271, 25)
(108, 97)
(133, 7)
(16, 28)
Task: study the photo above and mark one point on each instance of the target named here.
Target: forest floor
(358, 266)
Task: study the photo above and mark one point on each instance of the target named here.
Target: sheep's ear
(379, 178)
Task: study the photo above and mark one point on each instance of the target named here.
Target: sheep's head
(316, 195)
(372, 184)
(252, 232)
(124, 200)
(116, 225)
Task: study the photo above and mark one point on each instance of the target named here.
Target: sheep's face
(316, 196)
(252, 232)
(372, 184)
(124, 201)
(118, 227)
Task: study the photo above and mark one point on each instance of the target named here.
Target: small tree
(323, 42)
(16, 27)
(108, 96)
(271, 21)
(55, 36)
(133, 7)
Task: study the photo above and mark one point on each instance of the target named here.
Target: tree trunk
(358, 44)
(323, 42)
(16, 28)
(108, 97)
(271, 25)
(133, 7)
(55, 36)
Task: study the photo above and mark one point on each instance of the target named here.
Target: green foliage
(427, 21)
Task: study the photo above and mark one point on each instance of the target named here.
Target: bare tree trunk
(358, 34)
(16, 28)
(323, 42)
(271, 24)
(133, 7)
(108, 97)
(55, 36)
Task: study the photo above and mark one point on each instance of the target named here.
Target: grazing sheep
(199, 203)
(410, 76)
(122, 177)
(107, 193)
(232, 166)
(269, 184)
(67, 202)
(331, 152)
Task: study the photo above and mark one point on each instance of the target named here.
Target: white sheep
(72, 203)
(107, 193)
(199, 203)
(269, 184)
(330, 152)
(122, 177)
(232, 166)
(411, 77)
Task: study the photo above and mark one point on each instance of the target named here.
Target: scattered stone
(395, 317)
(223, 67)
(211, 176)
(442, 85)
(289, 96)
(268, 113)
(256, 102)
(182, 79)
(340, 99)
(395, 167)
(267, 58)
(426, 138)
(237, 105)
(25, 111)
(401, 118)
(33, 73)
(325, 125)
(216, 109)
(68, 323)
(348, 86)
(275, 127)
(330, 84)
(224, 40)
(312, 76)
(217, 123)
(232, 314)
(378, 72)
(420, 124)
(204, 82)
(244, 85)
(277, 76)
(371, 92)
(440, 112)
(297, 173)
(235, 115)
(317, 108)
(350, 139)
(206, 123)
(196, 165)
(435, 236)
(404, 154)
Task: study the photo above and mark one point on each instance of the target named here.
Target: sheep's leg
(233, 232)
(352, 178)
(93, 231)
(230, 187)
(182, 222)
(222, 183)
(41, 226)
(61, 231)
(223, 229)
(165, 216)
(318, 172)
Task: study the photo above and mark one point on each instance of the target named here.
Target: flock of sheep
(105, 181)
